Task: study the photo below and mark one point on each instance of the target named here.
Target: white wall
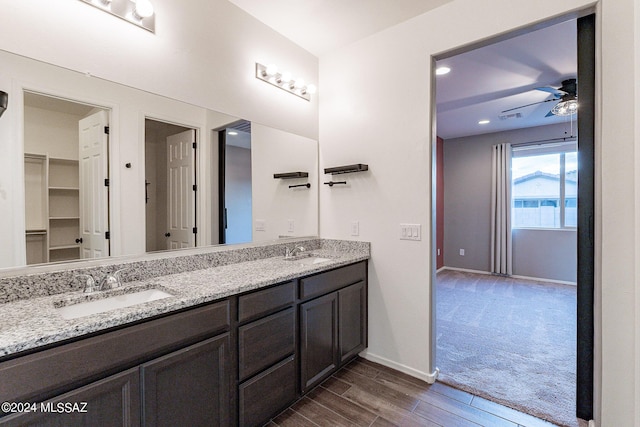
(375, 109)
(275, 151)
(51, 132)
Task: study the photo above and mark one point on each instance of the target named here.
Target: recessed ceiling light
(233, 132)
(484, 122)
(440, 71)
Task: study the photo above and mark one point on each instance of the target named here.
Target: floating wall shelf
(291, 175)
(347, 169)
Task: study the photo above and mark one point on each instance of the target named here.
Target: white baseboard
(465, 270)
(542, 279)
(430, 378)
(515, 276)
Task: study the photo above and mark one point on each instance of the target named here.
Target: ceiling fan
(567, 94)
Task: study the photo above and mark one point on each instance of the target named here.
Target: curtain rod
(544, 141)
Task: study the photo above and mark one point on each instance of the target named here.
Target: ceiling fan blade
(528, 105)
(550, 114)
(552, 90)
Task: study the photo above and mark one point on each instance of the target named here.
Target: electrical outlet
(291, 225)
(355, 228)
(410, 232)
(261, 225)
(461, 252)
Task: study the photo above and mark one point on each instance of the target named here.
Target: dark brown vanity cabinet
(266, 353)
(237, 361)
(169, 371)
(333, 322)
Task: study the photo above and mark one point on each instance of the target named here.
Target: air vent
(510, 116)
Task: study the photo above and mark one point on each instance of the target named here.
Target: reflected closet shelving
(52, 202)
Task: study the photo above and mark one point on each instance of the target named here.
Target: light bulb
(272, 69)
(311, 89)
(286, 77)
(299, 83)
(143, 9)
(440, 71)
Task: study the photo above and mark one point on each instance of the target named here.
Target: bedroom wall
(544, 254)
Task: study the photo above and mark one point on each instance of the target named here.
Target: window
(544, 185)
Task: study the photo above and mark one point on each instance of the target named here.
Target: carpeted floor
(509, 340)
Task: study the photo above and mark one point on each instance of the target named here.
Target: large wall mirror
(111, 170)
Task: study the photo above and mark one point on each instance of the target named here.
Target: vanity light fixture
(137, 12)
(283, 80)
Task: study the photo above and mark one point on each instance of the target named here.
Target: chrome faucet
(290, 253)
(90, 284)
(110, 281)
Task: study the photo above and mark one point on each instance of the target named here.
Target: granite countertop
(31, 323)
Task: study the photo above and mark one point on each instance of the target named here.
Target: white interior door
(180, 195)
(94, 194)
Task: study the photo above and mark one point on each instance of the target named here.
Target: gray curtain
(501, 258)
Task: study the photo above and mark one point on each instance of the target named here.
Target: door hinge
(106, 182)
(107, 235)
(195, 187)
(106, 130)
(195, 145)
(195, 230)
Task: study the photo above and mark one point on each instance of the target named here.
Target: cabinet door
(189, 387)
(318, 339)
(352, 303)
(113, 401)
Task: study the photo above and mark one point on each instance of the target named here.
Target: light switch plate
(410, 232)
(355, 228)
(291, 225)
(261, 225)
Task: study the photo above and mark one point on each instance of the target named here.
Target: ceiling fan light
(565, 108)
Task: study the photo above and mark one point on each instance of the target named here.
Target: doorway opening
(486, 316)
(170, 186)
(234, 183)
(66, 172)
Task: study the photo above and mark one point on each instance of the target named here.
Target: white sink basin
(312, 260)
(82, 309)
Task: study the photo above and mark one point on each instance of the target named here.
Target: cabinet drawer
(266, 394)
(261, 303)
(49, 372)
(324, 283)
(265, 341)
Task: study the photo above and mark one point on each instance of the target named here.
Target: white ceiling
(483, 82)
(320, 26)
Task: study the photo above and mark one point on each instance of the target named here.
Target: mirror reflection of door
(170, 186)
(66, 165)
(235, 183)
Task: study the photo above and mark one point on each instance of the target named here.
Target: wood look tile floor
(364, 393)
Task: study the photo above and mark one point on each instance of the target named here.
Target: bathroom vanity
(233, 345)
